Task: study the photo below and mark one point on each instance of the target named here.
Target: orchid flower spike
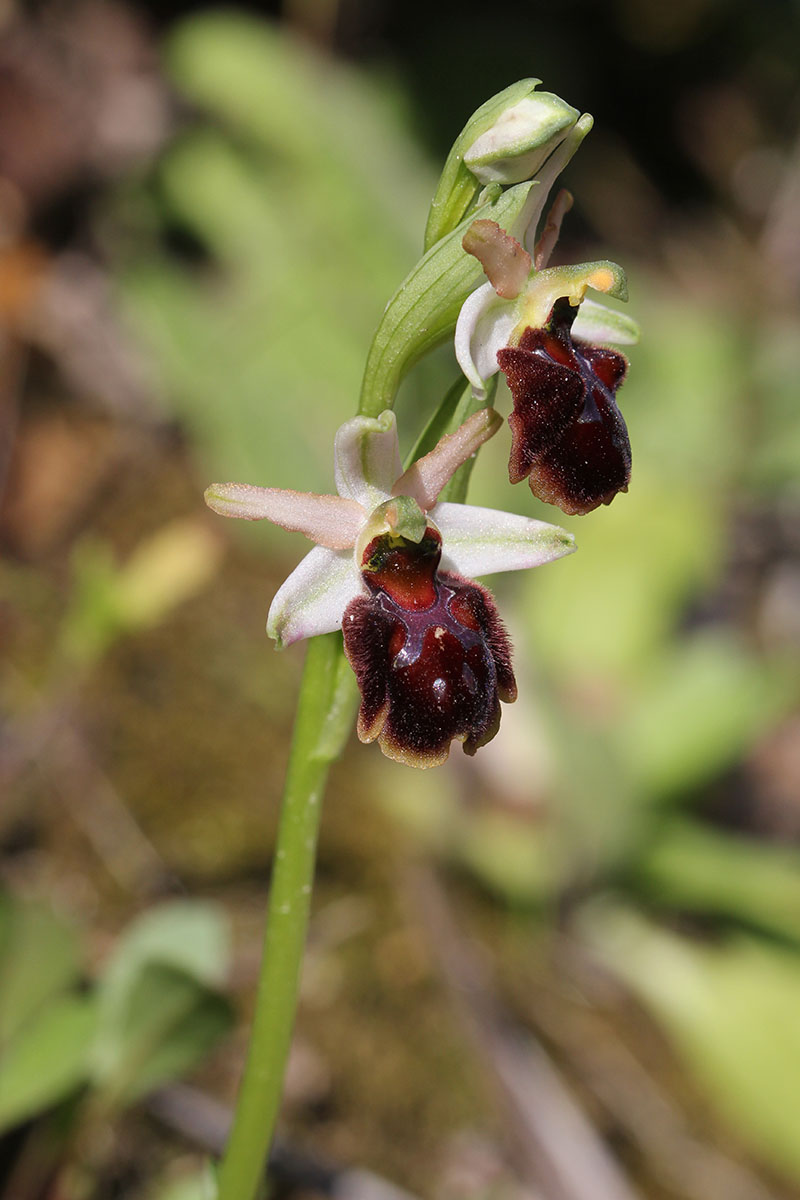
(429, 651)
(568, 436)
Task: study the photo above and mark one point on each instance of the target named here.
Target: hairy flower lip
(568, 436)
(489, 323)
(429, 675)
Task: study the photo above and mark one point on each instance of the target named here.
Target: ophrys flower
(568, 436)
(427, 646)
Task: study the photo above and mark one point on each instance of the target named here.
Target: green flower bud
(504, 142)
(521, 139)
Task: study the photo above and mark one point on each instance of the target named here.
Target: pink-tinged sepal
(426, 478)
(429, 651)
(568, 435)
(483, 541)
(332, 521)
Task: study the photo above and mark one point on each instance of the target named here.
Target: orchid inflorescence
(394, 562)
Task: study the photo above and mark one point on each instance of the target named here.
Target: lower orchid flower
(568, 436)
(393, 568)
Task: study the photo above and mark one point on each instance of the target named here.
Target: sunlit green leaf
(515, 858)
(424, 309)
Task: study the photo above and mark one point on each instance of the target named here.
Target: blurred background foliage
(202, 214)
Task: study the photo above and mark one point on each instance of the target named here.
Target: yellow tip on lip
(602, 280)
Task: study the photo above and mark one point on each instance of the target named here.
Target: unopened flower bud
(505, 143)
(520, 140)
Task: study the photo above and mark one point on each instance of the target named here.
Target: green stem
(312, 751)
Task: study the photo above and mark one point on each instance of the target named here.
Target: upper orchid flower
(568, 436)
(428, 649)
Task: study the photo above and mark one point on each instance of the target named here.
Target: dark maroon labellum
(429, 651)
(568, 436)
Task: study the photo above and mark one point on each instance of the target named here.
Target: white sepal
(328, 520)
(482, 541)
(484, 326)
(367, 459)
(597, 323)
(313, 599)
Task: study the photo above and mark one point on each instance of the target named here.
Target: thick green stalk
(323, 715)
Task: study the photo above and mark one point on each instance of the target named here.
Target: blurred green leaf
(596, 810)
(615, 604)
(734, 1014)
(513, 857)
(200, 1186)
(158, 1012)
(47, 1060)
(686, 399)
(309, 112)
(424, 309)
(165, 569)
(39, 957)
(191, 935)
(701, 709)
(775, 415)
(707, 870)
(169, 1023)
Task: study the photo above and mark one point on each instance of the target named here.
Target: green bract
(424, 309)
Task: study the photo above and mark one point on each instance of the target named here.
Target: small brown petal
(505, 263)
